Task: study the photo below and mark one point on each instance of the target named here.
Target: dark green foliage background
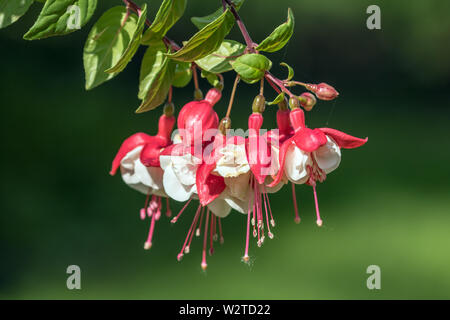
(388, 204)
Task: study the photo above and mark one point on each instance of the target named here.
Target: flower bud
(224, 125)
(323, 91)
(283, 105)
(198, 95)
(259, 104)
(169, 109)
(294, 103)
(307, 101)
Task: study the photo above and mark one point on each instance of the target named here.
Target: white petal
(295, 165)
(328, 156)
(174, 188)
(185, 168)
(165, 161)
(238, 187)
(232, 161)
(219, 207)
(134, 173)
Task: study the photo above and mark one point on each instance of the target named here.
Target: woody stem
(233, 92)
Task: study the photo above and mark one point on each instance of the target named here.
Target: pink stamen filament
(220, 231)
(211, 243)
(148, 243)
(294, 197)
(199, 229)
(168, 211)
(191, 229)
(187, 249)
(266, 198)
(319, 220)
(205, 238)
(247, 239)
(144, 209)
(182, 210)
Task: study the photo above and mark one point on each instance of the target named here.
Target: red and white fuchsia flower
(225, 171)
(138, 160)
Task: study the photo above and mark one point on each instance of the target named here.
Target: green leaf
(168, 14)
(107, 41)
(183, 74)
(219, 60)
(279, 37)
(155, 84)
(133, 45)
(290, 70)
(206, 40)
(151, 64)
(60, 17)
(278, 99)
(201, 22)
(251, 67)
(11, 11)
(212, 78)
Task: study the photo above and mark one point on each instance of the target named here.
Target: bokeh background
(388, 204)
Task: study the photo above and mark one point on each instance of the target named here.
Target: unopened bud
(169, 109)
(283, 105)
(198, 94)
(219, 85)
(259, 104)
(323, 91)
(307, 101)
(294, 103)
(224, 125)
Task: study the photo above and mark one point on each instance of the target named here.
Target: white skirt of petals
(139, 177)
(327, 157)
(179, 176)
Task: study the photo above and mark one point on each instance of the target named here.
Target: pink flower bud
(323, 91)
(307, 101)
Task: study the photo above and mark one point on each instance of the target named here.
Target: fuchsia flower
(138, 159)
(183, 164)
(245, 165)
(227, 172)
(310, 154)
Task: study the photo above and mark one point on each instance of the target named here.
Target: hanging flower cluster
(204, 160)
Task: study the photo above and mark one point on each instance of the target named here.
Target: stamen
(211, 230)
(199, 229)
(294, 197)
(148, 243)
(245, 258)
(319, 220)
(205, 238)
(158, 208)
(191, 228)
(266, 198)
(179, 214)
(168, 211)
(142, 213)
(220, 231)
(195, 226)
(215, 235)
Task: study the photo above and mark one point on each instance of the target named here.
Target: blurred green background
(388, 204)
